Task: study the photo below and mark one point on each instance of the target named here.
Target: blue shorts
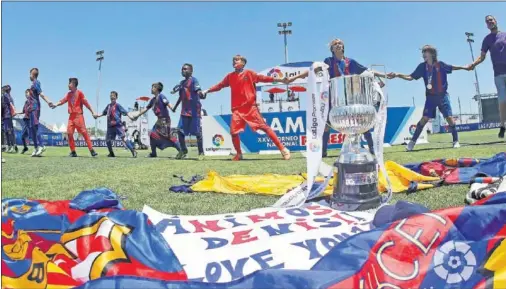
(115, 131)
(34, 118)
(26, 127)
(500, 83)
(7, 125)
(190, 125)
(433, 102)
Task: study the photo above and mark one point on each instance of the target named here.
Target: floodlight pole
(100, 58)
(460, 110)
(285, 32)
(477, 84)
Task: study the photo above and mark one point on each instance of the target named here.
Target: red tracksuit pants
(76, 122)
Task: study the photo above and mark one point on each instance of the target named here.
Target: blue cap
(401, 210)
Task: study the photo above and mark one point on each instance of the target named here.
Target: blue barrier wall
(471, 126)
(290, 127)
(58, 140)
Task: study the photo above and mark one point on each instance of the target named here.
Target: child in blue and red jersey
(340, 65)
(160, 136)
(115, 127)
(189, 122)
(434, 74)
(5, 102)
(36, 90)
(8, 112)
(30, 123)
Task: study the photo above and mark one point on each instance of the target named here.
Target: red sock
(72, 143)
(272, 135)
(237, 143)
(88, 140)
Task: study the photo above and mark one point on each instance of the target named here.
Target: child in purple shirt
(495, 42)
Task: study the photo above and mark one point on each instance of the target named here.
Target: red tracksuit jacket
(76, 102)
(243, 87)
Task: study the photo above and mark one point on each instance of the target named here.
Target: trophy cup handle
(379, 134)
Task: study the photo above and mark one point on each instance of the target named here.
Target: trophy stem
(351, 144)
(355, 178)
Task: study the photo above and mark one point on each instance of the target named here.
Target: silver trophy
(352, 113)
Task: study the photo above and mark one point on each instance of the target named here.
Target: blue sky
(148, 42)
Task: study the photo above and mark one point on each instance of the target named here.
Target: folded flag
(401, 179)
(463, 170)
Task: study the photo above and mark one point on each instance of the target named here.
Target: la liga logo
(218, 140)
(324, 96)
(276, 73)
(412, 129)
(314, 147)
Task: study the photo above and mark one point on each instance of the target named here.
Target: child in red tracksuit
(244, 108)
(76, 99)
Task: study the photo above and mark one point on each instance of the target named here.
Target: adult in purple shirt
(495, 42)
(160, 136)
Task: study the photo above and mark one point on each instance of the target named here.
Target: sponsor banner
(401, 125)
(471, 126)
(271, 106)
(287, 70)
(291, 130)
(222, 248)
(94, 143)
(139, 127)
(290, 105)
(58, 140)
(48, 139)
(318, 100)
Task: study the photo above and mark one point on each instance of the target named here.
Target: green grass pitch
(146, 181)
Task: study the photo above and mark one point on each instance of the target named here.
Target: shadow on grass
(484, 143)
(461, 144)
(426, 149)
(475, 144)
(247, 160)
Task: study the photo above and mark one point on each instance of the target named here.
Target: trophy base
(355, 186)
